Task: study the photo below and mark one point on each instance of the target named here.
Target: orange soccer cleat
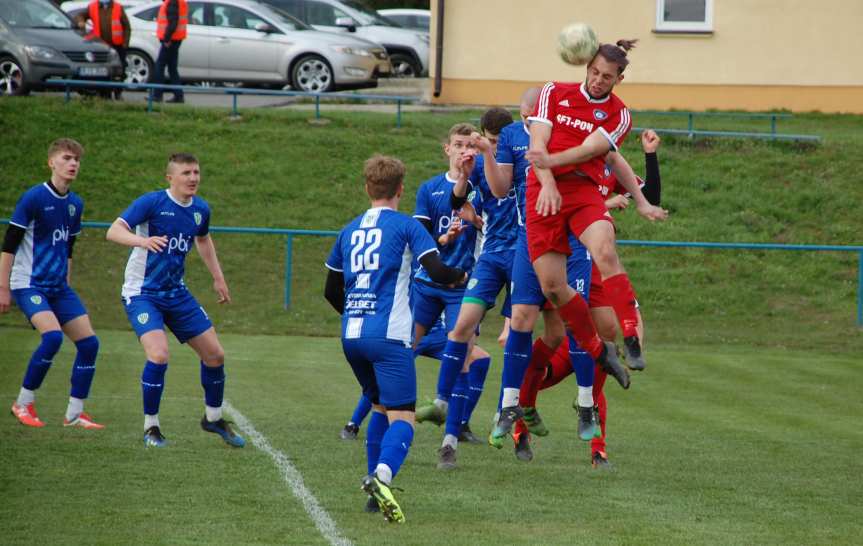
(27, 415)
(83, 421)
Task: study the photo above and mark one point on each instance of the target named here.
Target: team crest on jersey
(472, 284)
(599, 114)
(197, 218)
(36, 299)
(471, 195)
(72, 210)
(143, 318)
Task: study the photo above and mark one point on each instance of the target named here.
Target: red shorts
(598, 297)
(581, 206)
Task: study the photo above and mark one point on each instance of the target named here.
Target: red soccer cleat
(27, 415)
(83, 421)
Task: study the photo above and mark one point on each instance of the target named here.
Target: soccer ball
(577, 44)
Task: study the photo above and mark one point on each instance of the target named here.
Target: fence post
(860, 291)
(317, 107)
(68, 93)
(289, 276)
(399, 113)
(773, 126)
(235, 113)
(149, 99)
(691, 124)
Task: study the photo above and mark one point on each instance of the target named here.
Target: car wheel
(11, 77)
(312, 73)
(404, 66)
(139, 67)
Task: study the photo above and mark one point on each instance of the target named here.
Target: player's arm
(207, 250)
(548, 201)
(120, 233)
(334, 290)
(626, 177)
(441, 273)
(652, 182)
(11, 242)
(499, 177)
(72, 239)
(596, 144)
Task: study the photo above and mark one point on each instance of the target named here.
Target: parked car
(249, 42)
(408, 49)
(38, 42)
(418, 19)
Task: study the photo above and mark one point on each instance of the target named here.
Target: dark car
(38, 41)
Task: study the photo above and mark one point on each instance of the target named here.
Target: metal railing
(291, 233)
(692, 132)
(234, 92)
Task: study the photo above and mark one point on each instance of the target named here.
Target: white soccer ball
(577, 44)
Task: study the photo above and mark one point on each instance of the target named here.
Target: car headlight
(349, 50)
(424, 38)
(42, 53)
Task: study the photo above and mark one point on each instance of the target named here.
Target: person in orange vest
(171, 25)
(109, 24)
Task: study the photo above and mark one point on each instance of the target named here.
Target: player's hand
(461, 282)
(466, 162)
(617, 202)
(548, 202)
(480, 143)
(652, 212)
(468, 214)
(455, 229)
(650, 141)
(5, 299)
(540, 159)
(155, 243)
(221, 288)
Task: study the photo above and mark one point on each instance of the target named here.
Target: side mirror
(266, 28)
(346, 23)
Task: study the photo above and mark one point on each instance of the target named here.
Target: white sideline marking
(325, 524)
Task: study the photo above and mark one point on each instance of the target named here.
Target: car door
(238, 52)
(194, 63)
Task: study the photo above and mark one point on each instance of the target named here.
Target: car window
(368, 16)
(318, 13)
(33, 15)
(148, 14)
(234, 17)
(293, 7)
(196, 13)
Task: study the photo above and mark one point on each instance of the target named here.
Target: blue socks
(516, 357)
(457, 403)
(364, 406)
(41, 360)
(213, 381)
(582, 364)
(378, 425)
(451, 363)
(84, 367)
(476, 381)
(152, 385)
(395, 445)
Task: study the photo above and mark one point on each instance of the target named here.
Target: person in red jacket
(171, 25)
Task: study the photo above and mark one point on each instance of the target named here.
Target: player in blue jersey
(160, 227)
(368, 284)
(35, 270)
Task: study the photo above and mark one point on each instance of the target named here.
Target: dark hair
(383, 176)
(183, 158)
(616, 53)
(495, 119)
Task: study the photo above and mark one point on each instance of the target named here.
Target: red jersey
(574, 115)
(610, 184)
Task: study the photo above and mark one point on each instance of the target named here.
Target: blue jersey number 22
(364, 255)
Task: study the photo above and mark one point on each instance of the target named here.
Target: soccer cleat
(27, 415)
(599, 460)
(587, 423)
(632, 352)
(153, 438)
(610, 362)
(372, 506)
(496, 443)
(467, 435)
(223, 429)
(383, 495)
(597, 430)
(349, 432)
(446, 458)
(430, 413)
(83, 421)
(508, 416)
(522, 447)
(534, 422)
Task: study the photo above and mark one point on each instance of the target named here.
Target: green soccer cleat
(587, 425)
(430, 413)
(382, 493)
(508, 416)
(534, 422)
(495, 442)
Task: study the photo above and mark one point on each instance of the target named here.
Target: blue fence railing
(234, 92)
(291, 233)
(692, 132)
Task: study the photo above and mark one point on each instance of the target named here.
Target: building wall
(762, 54)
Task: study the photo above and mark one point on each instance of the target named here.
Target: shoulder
(35, 192)
(201, 203)
(616, 104)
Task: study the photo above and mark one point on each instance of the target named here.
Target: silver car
(246, 41)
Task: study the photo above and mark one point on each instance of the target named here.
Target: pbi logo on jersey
(198, 218)
(472, 284)
(59, 234)
(179, 244)
(599, 114)
(143, 318)
(72, 210)
(37, 300)
(445, 222)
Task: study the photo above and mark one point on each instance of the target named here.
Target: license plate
(93, 71)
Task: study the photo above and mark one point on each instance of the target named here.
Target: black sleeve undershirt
(334, 290)
(652, 189)
(72, 239)
(426, 224)
(13, 238)
(438, 272)
(457, 202)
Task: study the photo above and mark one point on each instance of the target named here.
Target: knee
(463, 331)
(51, 341)
(605, 257)
(606, 330)
(158, 355)
(522, 319)
(215, 357)
(88, 345)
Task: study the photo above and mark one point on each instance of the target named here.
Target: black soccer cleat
(632, 353)
(446, 458)
(522, 447)
(467, 435)
(610, 362)
(587, 423)
(372, 506)
(349, 432)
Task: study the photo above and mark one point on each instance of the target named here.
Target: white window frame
(684, 26)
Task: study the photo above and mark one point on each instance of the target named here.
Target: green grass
(710, 446)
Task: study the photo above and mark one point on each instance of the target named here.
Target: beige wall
(794, 54)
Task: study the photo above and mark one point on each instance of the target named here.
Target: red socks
(535, 373)
(576, 314)
(622, 297)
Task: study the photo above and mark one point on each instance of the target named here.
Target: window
(234, 17)
(148, 14)
(684, 15)
(196, 13)
(318, 13)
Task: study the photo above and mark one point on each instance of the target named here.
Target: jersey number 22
(364, 255)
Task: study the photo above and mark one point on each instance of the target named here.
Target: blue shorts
(63, 302)
(385, 370)
(526, 289)
(182, 314)
(432, 344)
(429, 302)
(491, 273)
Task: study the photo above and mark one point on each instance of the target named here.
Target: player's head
(64, 159)
(528, 102)
(183, 173)
(384, 177)
(492, 121)
(459, 142)
(606, 69)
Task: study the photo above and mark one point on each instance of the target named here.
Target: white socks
(443, 405)
(26, 397)
(150, 421)
(510, 397)
(585, 397)
(213, 414)
(74, 409)
(384, 473)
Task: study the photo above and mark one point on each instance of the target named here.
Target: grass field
(729, 446)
